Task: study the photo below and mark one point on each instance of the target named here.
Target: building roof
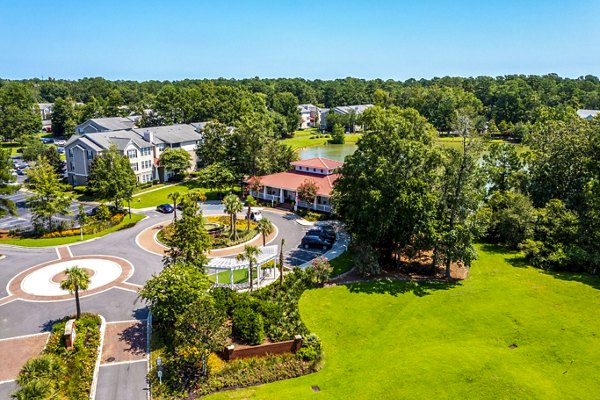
(103, 140)
(292, 179)
(172, 133)
(318, 162)
(587, 114)
(358, 109)
(112, 123)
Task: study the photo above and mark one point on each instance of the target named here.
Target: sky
(176, 39)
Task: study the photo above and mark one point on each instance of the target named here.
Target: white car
(255, 214)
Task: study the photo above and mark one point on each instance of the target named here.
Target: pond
(332, 151)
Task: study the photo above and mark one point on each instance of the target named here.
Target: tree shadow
(581, 277)
(140, 313)
(396, 287)
(135, 337)
(518, 260)
(47, 326)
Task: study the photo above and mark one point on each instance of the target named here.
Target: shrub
(248, 326)
(80, 189)
(320, 270)
(366, 260)
(225, 299)
(214, 364)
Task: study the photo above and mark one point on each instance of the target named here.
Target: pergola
(220, 264)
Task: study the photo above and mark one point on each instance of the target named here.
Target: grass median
(58, 241)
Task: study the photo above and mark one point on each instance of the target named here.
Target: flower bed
(62, 373)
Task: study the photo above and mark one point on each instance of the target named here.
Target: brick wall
(288, 346)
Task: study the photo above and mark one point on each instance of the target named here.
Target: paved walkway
(16, 351)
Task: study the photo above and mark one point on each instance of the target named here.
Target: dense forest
(400, 194)
(507, 103)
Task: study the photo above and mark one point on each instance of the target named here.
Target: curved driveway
(19, 317)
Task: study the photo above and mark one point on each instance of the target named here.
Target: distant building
(143, 147)
(106, 124)
(282, 187)
(587, 114)
(45, 110)
(309, 115)
(343, 110)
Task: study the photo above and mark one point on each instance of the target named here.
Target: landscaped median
(61, 372)
(73, 237)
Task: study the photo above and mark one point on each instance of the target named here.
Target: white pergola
(219, 264)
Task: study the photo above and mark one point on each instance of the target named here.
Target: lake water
(332, 151)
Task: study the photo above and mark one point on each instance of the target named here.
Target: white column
(231, 278)
(217, 278)
(265, 192)
(281, 199)
(315, 202)
(258, 274)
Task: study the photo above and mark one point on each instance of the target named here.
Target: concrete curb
(98, 358)
(149, 355)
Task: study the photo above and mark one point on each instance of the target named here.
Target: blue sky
(174, 39)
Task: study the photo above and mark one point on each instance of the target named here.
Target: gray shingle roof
(587, 114)
(172, 134)
(103, 140)
(112, 123)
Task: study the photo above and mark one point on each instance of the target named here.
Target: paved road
(120, 381)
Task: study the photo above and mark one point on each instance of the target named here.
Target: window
(146, 164)
(146, 151)
(72, 166)
(132, 153)
(134, 166)
(70, 152)
(90, 155)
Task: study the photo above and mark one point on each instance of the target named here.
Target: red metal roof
(291, 180)
(318, 162)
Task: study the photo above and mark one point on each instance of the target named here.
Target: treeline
(505, 100)
(401, 196)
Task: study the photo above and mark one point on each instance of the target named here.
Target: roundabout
(42, 282)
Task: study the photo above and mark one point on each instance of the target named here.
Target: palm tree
(265, 227)
(233, 205)
(77, 278)
(251, 203)
(175, 196)
(281, 261)
(250, 254)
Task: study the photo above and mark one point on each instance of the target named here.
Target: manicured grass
(45, 242)
(239, 276)
(341, 264)
(157, 197)
(398, 340)
(302, 139)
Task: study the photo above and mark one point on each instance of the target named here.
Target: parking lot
(23, 218)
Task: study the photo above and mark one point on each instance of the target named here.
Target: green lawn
(341, 264)
(157, 197)
(302, 139)
(126, 223)
(239, 276)
(395, 340)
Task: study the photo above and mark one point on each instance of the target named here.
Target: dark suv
(325, 232)
(309, 241)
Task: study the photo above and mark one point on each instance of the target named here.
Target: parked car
(61, 150)
(21, 172)
(113, 210)
(255, 215)
(47, 140)
(60, 142)
(165, 208)
(325, 232)
(316, 242)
